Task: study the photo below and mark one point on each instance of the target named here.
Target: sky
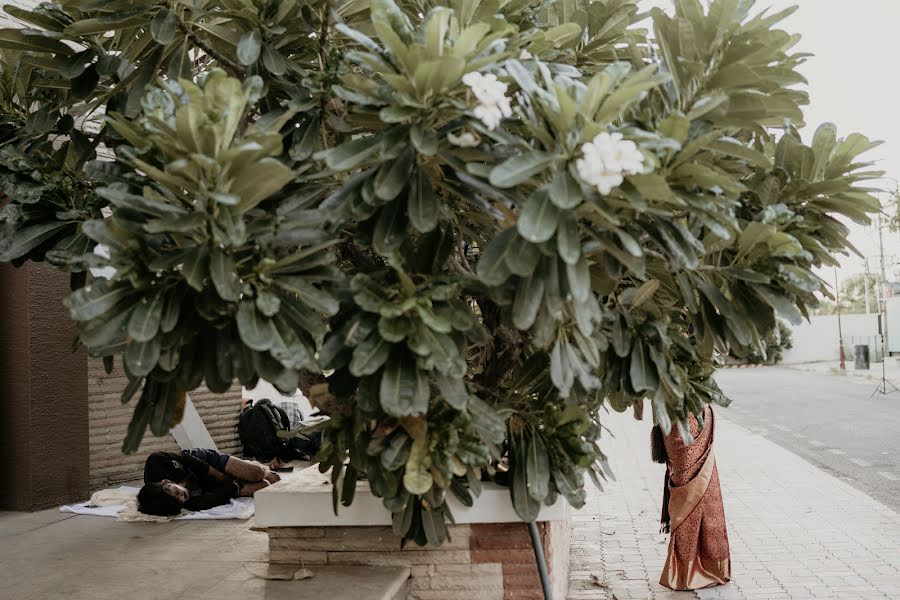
(854, 82)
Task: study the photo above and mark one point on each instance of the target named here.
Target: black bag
(258, 429)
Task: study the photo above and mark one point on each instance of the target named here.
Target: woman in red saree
(693, 512)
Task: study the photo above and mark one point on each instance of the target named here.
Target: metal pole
(539, 557)
(866, 286)
(882, 296)
(837, 295)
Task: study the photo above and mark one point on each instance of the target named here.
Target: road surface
(832, 421)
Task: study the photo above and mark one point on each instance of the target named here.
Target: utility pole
(866, 287)
(837, 295)
(882, 293)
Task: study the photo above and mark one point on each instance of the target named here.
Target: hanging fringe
(664, 519)
(658, 446)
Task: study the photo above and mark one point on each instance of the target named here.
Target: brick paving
(796, 532)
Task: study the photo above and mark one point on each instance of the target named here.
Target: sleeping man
(198, 479)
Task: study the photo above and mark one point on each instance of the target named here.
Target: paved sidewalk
(891, 369)
(795, 531)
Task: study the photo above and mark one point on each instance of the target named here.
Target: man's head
(163, 499)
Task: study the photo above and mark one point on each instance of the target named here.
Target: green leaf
(352, 154)
(823, 145)
(358, 37)
(259, 181)
(453, 390)
(163, 27)
(645, 292)
(434, 321)
(395, 329)
(568, 243)
(249, 47)
(642, 372)
(754, 233)
(393, 176)
(417, 479)
(492, 266)
(785, 307)
(424, 140)
(224, 276)
(145, 320)
(519, 169)
(396, 452)
(96, 299)
(267, 303)
(579, 278)
(525, 506)
(565, 191)
(399, 391)
(141, 357)
(369, 356)
(422, 204)
(19, 39)
(539, 218)
(390, 229)
(194, 268)
(137, 426)
(537, 468)
(523, 257)
(318, 300)
(256, 331)
(490, 424)
(528, 301)
(274, 61)
(26, 239)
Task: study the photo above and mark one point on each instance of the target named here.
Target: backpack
(258, 429)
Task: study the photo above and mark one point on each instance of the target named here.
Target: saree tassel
(658, 446)
(665, 520)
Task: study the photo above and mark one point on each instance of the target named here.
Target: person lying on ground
(198, 479)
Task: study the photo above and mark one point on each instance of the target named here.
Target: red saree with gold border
(699, 555)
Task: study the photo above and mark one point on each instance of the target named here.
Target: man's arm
(217, 496)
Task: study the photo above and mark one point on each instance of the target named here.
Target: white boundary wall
(817, 340)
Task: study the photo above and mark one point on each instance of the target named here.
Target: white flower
(607, 159)
(525, 54)
(487, 88)
(493, 105)
(464, 140)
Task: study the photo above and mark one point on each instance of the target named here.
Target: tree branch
(232, 67)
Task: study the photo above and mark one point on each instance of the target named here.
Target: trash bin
(861, 356)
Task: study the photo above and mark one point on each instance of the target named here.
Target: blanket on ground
(121, 503)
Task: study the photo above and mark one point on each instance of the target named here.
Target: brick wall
(480, 562)
(109, 420)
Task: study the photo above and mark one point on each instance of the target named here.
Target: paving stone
(796, 532)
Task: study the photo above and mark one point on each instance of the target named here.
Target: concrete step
(331, 582)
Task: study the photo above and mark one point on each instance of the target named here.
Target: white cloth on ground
(122, 504)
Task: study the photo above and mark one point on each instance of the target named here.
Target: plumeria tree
(478, 223)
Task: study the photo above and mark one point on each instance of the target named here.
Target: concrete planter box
(489, 556)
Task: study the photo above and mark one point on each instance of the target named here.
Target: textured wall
(109, 419)
(484, 561)
(43, 392)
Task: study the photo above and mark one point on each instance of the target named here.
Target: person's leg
(248, 489)
(245, 470)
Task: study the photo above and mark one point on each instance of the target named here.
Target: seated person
(198, 479)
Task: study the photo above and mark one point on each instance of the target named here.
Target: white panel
(191, 432)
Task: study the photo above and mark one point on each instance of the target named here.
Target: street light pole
(882, 293)
(837, 295)
(866, 286)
